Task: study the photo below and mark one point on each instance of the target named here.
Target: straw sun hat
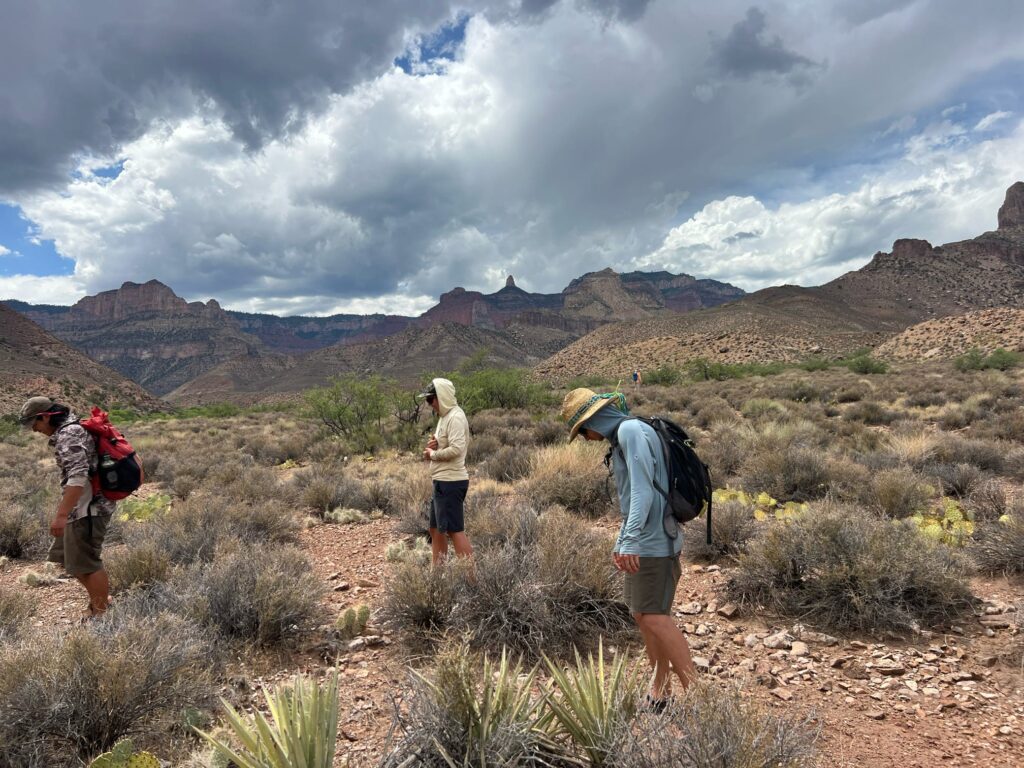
(580, 404)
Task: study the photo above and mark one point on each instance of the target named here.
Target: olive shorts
(653, 588)
(77, 550)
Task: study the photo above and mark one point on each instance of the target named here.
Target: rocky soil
(881, 702)
(949, 337)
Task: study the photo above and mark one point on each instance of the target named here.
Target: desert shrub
(916, 449)
(732, 527)
(255, 484)
(66, 697)
(869, 412)
(714, 726)
(865, 364)
(998, 548)
(794, 474)
(813, 364)
(843, 570)
(15, 609)
(142, 565)
(983, 454)
(23, 530)
(476, 714)
(762, 407)
(850, 394)
(419, 600)
(572, 476)
(713, 410)
(322, 488)
(975, 360)
(507, 388)
(482, 447)
(663, 375)
(549, 432)
(925, 399)
(508, 464)
(955, 479)
(898, 492)
(801, 391)
(258, 593)
(989, 501)
(724, 449)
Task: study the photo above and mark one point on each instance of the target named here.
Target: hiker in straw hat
(648, 545)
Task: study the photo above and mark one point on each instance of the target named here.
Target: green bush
(975, 360)
(865, 364)
(664, 375)
(704, 370)
(508, 388)
(841, 569)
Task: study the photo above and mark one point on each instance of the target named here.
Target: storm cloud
(287, 164)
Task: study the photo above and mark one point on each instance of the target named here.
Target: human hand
(432, 443)
(60, 522)
(628, 563)
(427, 454)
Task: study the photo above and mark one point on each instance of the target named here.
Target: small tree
(352, 408)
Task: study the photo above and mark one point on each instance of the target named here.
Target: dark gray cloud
(748, 50)
(86, 77)
(627, 10)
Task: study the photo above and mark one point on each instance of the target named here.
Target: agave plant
(302, 732)
(593, 704)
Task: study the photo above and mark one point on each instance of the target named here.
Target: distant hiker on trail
(648, 544)
(80, 522)
(446, 452)
(637, 379)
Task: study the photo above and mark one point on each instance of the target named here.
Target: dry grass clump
(998, 548)
(989, 501)
(67, 697)
(419, 600)
(714, 726)
(572, 476)
(869, 412)
(15, 610)
(957, 480)
(723, 448)
(138, 566)
(732, 528)
(841, 569)
(899, 492)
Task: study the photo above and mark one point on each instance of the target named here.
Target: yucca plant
(302, 733)
(593, 704)
(502, 703)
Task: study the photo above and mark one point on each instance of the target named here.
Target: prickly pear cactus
(123, 755)
(142, 760)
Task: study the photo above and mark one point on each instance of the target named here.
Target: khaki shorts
(77, 550)
(653, 588)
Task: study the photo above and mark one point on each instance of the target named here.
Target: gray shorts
(653, 588)
(78, 550)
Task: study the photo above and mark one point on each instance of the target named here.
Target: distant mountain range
(603, 322)
(166, 344)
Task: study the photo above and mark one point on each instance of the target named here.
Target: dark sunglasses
(431, 399)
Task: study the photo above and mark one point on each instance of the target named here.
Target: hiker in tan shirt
(446, 452)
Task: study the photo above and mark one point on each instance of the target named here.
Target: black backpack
(689, 489)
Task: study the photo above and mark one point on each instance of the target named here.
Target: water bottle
(108, 471)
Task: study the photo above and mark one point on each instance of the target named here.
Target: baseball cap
(35, 406)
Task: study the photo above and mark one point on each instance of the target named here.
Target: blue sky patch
(439, 46)
(27, 257)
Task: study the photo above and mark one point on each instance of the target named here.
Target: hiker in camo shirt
(80, 522)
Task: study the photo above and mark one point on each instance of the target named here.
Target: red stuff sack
(119, 473)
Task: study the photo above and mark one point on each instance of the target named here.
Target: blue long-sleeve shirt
(637, 462)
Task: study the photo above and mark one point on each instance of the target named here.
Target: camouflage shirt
(75, 452)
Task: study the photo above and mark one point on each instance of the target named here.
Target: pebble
(875, 714)
(691, 609)
(799, 649)
(729, 610)
(779, 640)
(782, 693)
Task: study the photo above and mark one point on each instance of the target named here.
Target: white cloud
(54, 289)
(547, 149)
(4, 251)
(938, 190)
(991, 119)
